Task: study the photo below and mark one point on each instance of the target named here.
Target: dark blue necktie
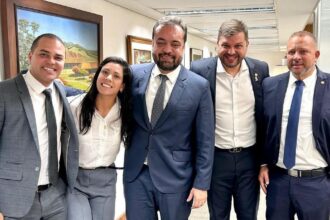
(289, 159)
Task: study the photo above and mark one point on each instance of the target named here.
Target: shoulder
(195, 79)
(323, 74)
(136, 68)
(203, 63)
(273, 80)
(9, 85)
(255, 62)
(139, 70)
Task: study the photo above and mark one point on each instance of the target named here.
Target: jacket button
(36, 169)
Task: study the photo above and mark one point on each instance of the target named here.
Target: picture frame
(23, 20)
(195, 54)
(139, 50)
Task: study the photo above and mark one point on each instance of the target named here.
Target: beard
(166, 65)
(224, 60)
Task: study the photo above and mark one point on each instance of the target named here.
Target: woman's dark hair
(89, 101)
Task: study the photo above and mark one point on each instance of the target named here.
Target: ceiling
(270, 22)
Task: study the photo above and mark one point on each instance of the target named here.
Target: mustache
(165, 54)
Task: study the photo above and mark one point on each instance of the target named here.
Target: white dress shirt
(38, 102)
(154, 83)
(307, 156)
(100, 145)
(234, 109)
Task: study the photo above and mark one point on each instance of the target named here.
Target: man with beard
(297, 158)
(168, 163)
(235, 82)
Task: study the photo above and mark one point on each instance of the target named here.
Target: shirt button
(36, 169)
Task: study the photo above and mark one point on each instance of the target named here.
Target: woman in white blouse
(102, 118)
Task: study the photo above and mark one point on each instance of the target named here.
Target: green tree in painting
(26, 34)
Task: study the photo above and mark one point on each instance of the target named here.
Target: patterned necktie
(52, 138)
(289, 159)
(158, 105)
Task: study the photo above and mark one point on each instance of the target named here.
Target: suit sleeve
(2, 113)
(204, 141)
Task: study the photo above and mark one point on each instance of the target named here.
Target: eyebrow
(46, 51)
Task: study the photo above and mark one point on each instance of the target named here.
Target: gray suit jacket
(19, 147)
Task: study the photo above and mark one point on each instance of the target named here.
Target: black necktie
(158, 105)
(52, 138)
(290, 145)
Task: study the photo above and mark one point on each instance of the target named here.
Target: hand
(264, 178)
(1, 216)
(199, 197)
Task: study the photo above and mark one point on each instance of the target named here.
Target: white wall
(196, 42)
(119, 22)
(273, 59)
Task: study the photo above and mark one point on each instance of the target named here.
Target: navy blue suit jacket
(258, 70)
(180, 146)
(274, 89)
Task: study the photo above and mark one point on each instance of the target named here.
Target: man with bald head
(296, 158)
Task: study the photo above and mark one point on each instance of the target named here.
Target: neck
(233, 70)
(104, 104)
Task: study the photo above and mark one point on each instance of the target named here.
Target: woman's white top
(100, 145)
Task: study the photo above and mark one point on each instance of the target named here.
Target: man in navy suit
(31, 187)
(169, 161)
(237, 98)
(296, 158)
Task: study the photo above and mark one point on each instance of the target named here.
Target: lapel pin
(322, 82)
(256, 77)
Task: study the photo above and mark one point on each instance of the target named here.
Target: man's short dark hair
(170, 20)
(46, 35)
(232, 27)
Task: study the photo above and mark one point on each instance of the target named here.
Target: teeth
(48, 69)
(106, 85)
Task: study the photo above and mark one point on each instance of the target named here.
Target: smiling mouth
(106, 85)
(49, 69)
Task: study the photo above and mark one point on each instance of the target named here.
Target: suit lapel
(211, 76)
(320, 86)
(175, 96)
(28, 107)
(280, 95)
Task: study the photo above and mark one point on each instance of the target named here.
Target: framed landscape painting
(138, 50)
(195, 54)
(81, 32)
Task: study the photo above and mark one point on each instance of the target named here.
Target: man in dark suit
(237, 98)
(38, 139)
(169, 161)
(296, 158)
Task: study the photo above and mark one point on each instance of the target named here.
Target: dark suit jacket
(19, 147)
(180, 146)
(207, 68)
(274, 89)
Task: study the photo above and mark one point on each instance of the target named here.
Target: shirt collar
(172, 76)
(221, 69)
(308, 82)
(35, 85)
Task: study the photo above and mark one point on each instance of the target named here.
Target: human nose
(296, 55)
(109, 77)
(167, 48)
(51, 60)
(231, 50)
